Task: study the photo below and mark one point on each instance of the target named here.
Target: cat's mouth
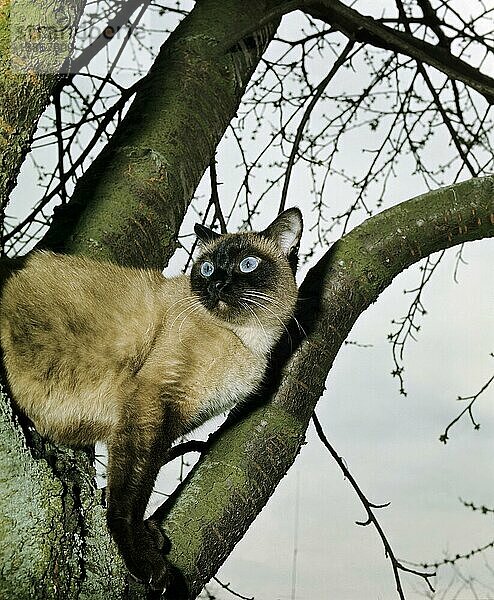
(223, 305)
(220, 307)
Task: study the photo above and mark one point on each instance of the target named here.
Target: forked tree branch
(361, 28)
(250, 454)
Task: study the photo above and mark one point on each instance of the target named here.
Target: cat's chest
(222, 382)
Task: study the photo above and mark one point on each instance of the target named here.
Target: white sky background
(389, 442)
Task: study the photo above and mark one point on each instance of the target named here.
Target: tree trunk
(53, 537)
(29, 73)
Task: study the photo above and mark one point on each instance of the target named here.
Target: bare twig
(226, 586)
(483, 509)
(305, 117)
(407, 325)
(444, 437)
(453, 560)
(184, 448)
(369, 507)
(215, 199)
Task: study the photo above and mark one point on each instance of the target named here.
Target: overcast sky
(389, 442)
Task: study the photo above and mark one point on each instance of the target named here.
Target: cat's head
(249, 278)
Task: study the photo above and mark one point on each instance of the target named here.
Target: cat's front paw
(150, 567)
(145, 560)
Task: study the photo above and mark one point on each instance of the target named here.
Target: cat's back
(70, 302)
(72, 330)
(48, 279)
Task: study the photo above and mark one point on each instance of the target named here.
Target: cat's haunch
(98, 352)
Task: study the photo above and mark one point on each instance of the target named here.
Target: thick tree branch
(367, 30)
(254, 449)
(28, 73)
(130, 203)
(361, 28)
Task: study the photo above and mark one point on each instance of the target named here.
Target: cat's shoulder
(72, 278)
(44, 263)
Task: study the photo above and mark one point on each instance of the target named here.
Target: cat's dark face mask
(235, 280)
(248, 278)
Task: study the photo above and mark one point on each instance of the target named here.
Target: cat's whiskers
(180, 301)
(253, 313)
(192, 309)
(268, 297)
(278, 304)
(264, 307)
(193, 303)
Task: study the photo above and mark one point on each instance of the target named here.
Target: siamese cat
(98, 352)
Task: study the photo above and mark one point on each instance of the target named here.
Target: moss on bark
(128, 207)
(34, 43)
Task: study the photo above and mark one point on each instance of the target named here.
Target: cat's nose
(220, 285)
(217, 286)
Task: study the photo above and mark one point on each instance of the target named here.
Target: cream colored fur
(84, 341)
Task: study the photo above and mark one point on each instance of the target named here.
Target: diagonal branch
(120, 19)
(361, 28)
(396, 565)
(253, 450)
(129, 205)
(367, 30)
(444, 437)
(305, 117)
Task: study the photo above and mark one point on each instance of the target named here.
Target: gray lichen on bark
(29, 65)
(51, 514)
(31, 502)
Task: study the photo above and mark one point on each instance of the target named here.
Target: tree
(129, 203)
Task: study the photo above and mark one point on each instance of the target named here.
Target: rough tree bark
(28, 73)
(128, 207)
(252, 451)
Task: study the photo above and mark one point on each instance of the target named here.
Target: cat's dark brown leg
(135, 456)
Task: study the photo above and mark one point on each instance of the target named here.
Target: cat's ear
(204, 234)
(286, 230)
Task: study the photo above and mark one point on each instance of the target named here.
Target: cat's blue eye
(207, 269)
(249, 264)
